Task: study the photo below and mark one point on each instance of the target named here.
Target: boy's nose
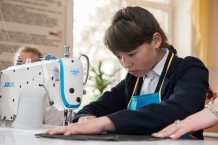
(126, 64)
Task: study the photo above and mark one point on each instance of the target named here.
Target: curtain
(202, 19)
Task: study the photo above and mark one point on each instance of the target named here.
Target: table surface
(12, 136)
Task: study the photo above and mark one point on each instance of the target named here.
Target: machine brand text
(74, 72)
(9, 84)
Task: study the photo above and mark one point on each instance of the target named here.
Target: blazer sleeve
(110, 102)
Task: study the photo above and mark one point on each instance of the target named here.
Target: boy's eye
(118, 57)
(132, 54)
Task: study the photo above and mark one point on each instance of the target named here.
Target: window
(92, 18)
(162, 11)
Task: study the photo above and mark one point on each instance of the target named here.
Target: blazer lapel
(170, 71)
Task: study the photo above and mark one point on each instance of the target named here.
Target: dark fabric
(102, 137)
(183, 93)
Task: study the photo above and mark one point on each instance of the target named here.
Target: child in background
(51, 116)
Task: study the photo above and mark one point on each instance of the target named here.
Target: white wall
(69, 25)
(182, 35)
(213, 71)
(182, 27)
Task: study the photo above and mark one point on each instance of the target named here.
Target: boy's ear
(157, 40)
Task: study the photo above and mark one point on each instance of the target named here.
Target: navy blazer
(183, 93)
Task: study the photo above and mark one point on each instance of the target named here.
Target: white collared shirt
(152, 77)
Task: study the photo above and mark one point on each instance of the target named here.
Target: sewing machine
(24, 88)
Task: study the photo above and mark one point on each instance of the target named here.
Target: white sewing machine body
(23, 89)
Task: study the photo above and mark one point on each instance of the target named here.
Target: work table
(12, 136)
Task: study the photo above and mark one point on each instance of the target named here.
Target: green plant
(100, 78)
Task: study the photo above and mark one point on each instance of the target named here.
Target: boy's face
(142, 59)
(139, 61)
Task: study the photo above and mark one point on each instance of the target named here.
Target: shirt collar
(159, 67)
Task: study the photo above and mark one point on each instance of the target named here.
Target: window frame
(161, 6)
